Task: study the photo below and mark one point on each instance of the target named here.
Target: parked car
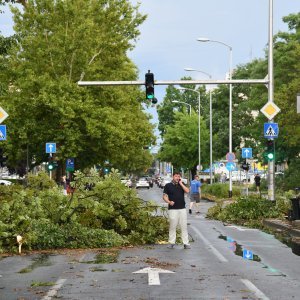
(142, 183)
(164, 181)
(150, 180)
(127, 182)
(5, 182)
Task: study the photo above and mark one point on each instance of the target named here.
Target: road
(213, 269)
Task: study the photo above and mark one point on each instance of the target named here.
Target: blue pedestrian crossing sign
(50, 147)
(230, 166)
(2, 132)
(246, 152)
(247, 254)
(271, 130)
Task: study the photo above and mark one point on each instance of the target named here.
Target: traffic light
(52, 165)
(245, 166)
(147, 147)
(270, 150)
(149, 84)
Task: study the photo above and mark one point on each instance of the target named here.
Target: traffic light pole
(271, 162)
(174, 82)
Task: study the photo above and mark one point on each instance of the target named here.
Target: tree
(58, 43)
(180, 145)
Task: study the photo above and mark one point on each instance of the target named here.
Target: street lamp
(199, 127)
(190, 106)
(230, 101)
(210, 121)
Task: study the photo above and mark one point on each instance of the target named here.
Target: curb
(281, 225)
(293, 232)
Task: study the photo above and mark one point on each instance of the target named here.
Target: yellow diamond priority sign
(3, 114)
(270, 110)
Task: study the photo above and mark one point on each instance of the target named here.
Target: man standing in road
(195, 190)
(174, 196)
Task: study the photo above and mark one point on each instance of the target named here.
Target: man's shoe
(185, 246)
(171, 246)
(190, 211)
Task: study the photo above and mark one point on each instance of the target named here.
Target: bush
(46, 235)
(220, 190)
(107, 214)
(248, 211)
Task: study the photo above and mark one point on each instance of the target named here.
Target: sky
(168, 41)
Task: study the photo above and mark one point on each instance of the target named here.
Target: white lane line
(207, 243)
(53, 291)
(259, 294)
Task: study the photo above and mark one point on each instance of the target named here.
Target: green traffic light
(270, 156)
(150, 96)
(50, 167)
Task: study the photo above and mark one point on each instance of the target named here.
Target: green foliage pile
(220, 190)
(249, 210)
(108, 214)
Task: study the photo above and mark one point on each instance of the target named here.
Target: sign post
(50, 148)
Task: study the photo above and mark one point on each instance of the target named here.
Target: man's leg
(191, 204)
(173, 222)
(183, 226)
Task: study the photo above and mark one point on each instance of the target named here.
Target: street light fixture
(190, 106)
(210, 121)
(199, 127)
(230, 101)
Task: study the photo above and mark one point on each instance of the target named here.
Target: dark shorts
(195, 198)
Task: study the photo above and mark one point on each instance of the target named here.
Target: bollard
(295, 208)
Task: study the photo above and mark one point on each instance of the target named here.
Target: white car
(164, 181)
(142, 183)
(5, 182)
(127, 182)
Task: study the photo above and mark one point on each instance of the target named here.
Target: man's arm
(185, 188)
(167, 200)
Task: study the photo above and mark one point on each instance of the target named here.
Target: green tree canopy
(59, 43)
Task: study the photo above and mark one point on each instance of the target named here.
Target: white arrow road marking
(153, 274)
(259, 294)
(248, 254)
(53, 291)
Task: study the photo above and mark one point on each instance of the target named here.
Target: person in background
(174, 195)
(64, 184)
(257, 182)
(195, 190)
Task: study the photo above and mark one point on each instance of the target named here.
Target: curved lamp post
(190, 106)
(210, 121)
(230, 100)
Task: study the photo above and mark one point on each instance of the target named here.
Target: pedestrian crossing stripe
(270, 132)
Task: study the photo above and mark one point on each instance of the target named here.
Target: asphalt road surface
(225, 262)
